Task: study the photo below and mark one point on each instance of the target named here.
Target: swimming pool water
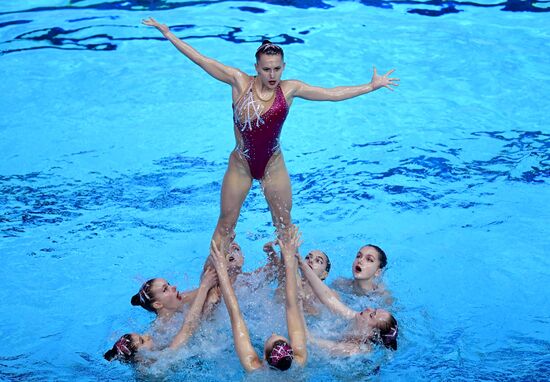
(114, 146)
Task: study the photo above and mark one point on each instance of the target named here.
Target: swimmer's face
(270, 68)
(317, 261)
(141, 342)
(165, 295)
(235, 259)
(268, 346)
(366, 264)
(370, 319)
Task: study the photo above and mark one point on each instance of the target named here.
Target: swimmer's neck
(366, 285)
(166, 314)
(261, 88)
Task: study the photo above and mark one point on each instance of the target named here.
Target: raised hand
(269, 249)
(209, 277)
(290, 243)
(217, 258)
(154, 23)
(378, 81)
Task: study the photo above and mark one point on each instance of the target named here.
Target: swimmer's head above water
(369, 262)
(235, 258)
(377, 326)
(278, 352)
(270, 49)
(319, 262)
(158, 295)
(126, 348)
(269, 66)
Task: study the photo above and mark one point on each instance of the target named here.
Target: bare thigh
(235, 187)
(278, 191)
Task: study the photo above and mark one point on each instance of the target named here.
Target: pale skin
(192, 320)
(295, 321)
(365, 322)
(237, 180)
(168, 300)
(366, 274)
(317, 261)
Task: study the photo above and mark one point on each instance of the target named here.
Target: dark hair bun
(284, 363)
(110, 354)
(266, 42)
(135, 300)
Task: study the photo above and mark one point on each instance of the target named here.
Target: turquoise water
(114, 146)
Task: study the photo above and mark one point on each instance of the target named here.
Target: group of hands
(216, 265)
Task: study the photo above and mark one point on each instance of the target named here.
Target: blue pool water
(114, 146)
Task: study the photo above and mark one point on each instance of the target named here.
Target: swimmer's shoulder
(289, 87)
(242, 81)
(341, 283)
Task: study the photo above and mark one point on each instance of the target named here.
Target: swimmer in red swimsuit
(260, 105)
(258, 138)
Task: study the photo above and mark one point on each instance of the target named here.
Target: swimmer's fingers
(389, 72)
(295, 236)
(298, 240)
(208, 272)
(207, 264)
(210, 277)
(150, 21)
(154, 23)
(214, 247)
(217, 257)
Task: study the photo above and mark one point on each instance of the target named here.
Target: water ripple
(416, 182)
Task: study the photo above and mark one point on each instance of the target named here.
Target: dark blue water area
(68, 38)
(424, 181)
(509, 5)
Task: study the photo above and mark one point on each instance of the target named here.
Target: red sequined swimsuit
(260, 136)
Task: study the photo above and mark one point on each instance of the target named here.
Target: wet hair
(281, 355)
(270, 49)
(144, 297)
(123, 350)
(388, 333)
(327, 268)
(381, 255)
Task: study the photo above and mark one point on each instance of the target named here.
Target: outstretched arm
(219, 71)
(192, 319)
(294, 315)
(314, 93)
(247, 355)
(323, 292)
(340, 348)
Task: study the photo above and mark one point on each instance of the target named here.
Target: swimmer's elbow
(251, 363)
(300, 355)
(300, 361)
